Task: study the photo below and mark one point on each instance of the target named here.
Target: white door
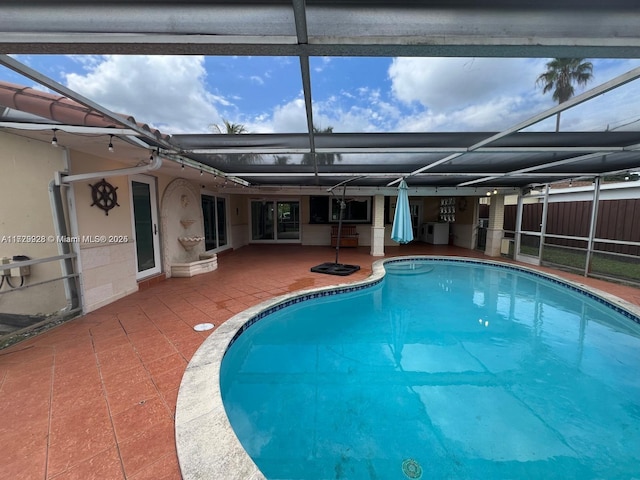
(144, 209)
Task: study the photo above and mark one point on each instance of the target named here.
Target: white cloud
(290, 117)
(492, 94)
(447, 83)
(324, 62)
(423, 94)
(167, 92)
(457, 94)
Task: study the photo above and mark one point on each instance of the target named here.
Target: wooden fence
(617, 220)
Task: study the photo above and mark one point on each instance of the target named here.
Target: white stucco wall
(26, 222)
(108, 269)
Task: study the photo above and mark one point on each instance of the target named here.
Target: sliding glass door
(215, 222)
(275, 221)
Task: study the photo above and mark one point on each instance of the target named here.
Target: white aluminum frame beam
(67, 128)
(543, 29)
(364, 150)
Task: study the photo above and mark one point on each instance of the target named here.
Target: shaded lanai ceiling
(496, 28)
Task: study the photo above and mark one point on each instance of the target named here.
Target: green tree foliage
(561, 76)
(230, 128)
(321, 158)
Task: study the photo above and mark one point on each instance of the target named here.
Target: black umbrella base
(331, 268)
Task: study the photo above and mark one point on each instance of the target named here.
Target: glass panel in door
(262, 220)
(416, 218)
(222, 221)
(215, 222)
(288, 220)
(145, 227)
(209, 215)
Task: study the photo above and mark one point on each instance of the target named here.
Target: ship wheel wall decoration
(104, 196)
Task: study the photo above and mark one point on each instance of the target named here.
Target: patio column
(377, 228)
(495, 230)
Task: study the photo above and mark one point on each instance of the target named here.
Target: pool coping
(206, 444)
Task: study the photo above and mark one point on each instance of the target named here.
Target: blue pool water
(443, 370)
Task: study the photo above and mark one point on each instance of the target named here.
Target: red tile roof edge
(61, 109)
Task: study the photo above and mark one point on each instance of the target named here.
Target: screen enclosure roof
(515, 157)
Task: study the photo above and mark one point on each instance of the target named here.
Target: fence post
(543, 225)
(519, 209)
(592, 226)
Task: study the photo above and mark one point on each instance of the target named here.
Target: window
(356, 209)
(327, 209)
(215, 222)
(318, 209)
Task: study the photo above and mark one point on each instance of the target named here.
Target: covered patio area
(95, 397)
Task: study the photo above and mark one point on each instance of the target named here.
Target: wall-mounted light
(495, 191)
(54, 140)
(200, 172)
(110, 147)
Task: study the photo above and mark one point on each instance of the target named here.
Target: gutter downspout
(156, 163)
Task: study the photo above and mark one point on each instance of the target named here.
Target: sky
(190, 94)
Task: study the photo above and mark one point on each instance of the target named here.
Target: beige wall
(464, 229)
(239, 210)
(26, 169)
(91, 219)
(181, 218)
(108, 268)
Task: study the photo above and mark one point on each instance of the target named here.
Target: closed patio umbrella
(402, 231)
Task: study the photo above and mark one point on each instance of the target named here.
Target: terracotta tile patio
(95, 398)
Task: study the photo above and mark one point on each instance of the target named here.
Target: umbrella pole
(337, 268)
(342, 207)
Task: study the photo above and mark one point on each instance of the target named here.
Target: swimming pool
(510, 379)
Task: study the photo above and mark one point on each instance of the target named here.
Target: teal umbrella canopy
(402, 231)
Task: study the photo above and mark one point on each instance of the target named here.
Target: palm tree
(280, 159)
(321, 158)
(230, 128)
(560, 77)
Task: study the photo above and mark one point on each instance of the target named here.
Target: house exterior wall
(108, 269)
(464, 229)
(238, 220)
(495, 230)
(26, 168)
(181, 217)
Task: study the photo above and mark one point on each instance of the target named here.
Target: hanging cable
(13, 286)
